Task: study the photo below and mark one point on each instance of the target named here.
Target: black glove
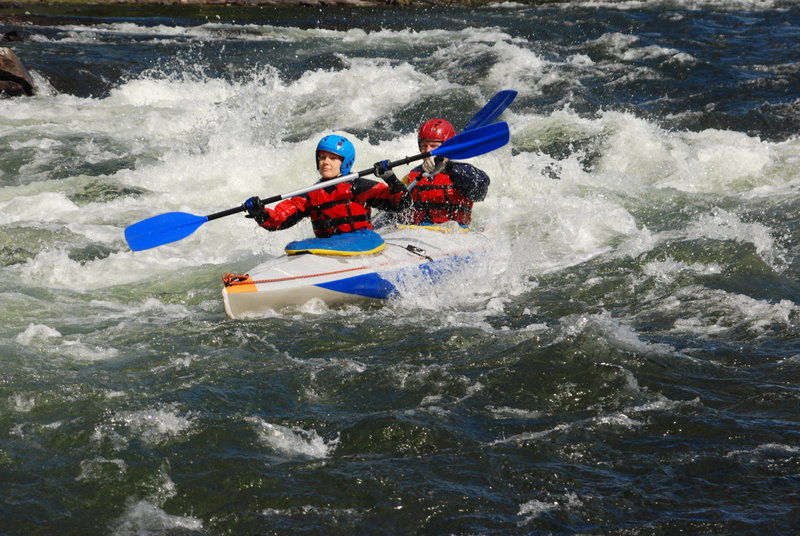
(393, 182)
(383, 171)
(441, 166)
(381, 168)
(255, 210)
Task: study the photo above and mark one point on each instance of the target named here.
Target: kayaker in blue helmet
(341, 208)
(442, 190)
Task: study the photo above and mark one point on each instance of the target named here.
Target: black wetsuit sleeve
(472, 182)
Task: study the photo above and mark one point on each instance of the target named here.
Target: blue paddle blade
(162, 229)
(491, 109)
(474, 142)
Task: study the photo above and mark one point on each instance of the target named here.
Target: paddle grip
(268, 200)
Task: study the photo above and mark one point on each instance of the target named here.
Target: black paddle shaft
(402, 161)
(228, 212)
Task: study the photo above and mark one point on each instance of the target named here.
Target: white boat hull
(411, 252)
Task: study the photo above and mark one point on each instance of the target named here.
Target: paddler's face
(428, 145)
(329, 164)
(424, 147)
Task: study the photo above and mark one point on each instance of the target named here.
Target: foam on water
(200, 144)
(335, 40)
(513, 413)
(101, 469)
(692, 5)
(143, 518)
(339, 516)
(631, 418)
(717, 311)
(614, 332)
(49, 341)
(151, 425)
(36, 332)
(293, 442)
(535, 508)
(625, 47)
(716, 161)
(44, 207)
(774, 452)
(722, 225)
(21, 403)
(669, 269)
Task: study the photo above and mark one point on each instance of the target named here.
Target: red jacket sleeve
(286, 213)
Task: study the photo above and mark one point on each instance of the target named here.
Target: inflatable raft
(358, 267)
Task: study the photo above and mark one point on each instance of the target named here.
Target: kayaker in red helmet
(442, 190)
(341, 208)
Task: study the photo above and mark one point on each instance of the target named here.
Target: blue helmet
(338, 145)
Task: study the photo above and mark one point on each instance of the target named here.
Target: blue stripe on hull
(367, 285)
(374, 286)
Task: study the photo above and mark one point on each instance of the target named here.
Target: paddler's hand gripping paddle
(174, 226)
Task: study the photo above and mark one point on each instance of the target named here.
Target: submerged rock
(16, 36)
(15, 80)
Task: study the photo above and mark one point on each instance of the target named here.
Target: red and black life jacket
(335, 210)
(436, 200)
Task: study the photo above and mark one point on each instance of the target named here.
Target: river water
(625, 363)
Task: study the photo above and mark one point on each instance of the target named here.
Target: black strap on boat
(418, 251)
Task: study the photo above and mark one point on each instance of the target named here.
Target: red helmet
(436, 130)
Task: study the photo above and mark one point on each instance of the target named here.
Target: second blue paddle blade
(492, 109)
